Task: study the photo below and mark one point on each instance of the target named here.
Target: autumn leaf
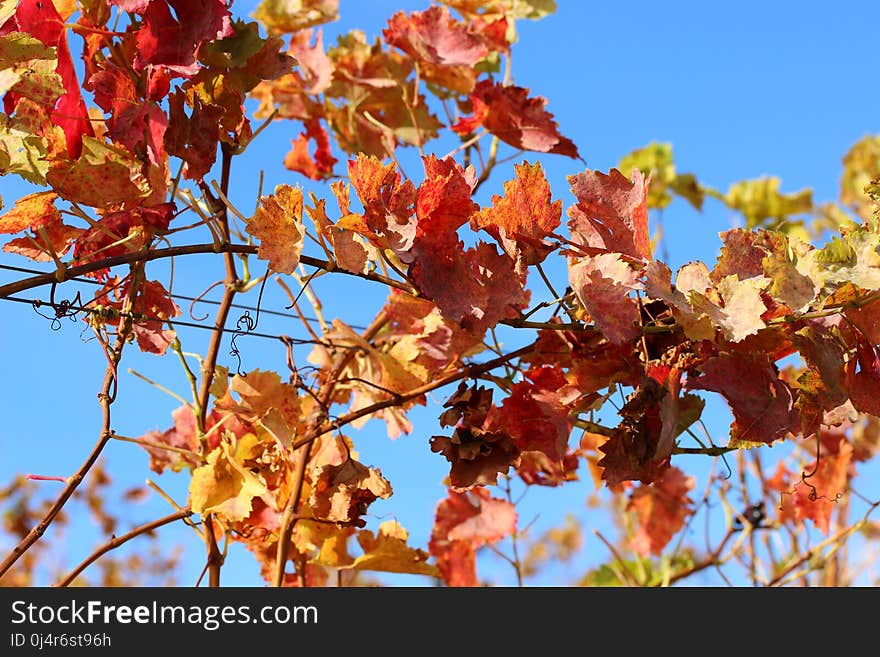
(314, 71)
(116, 233)
(611, 213)
(477, 451)
(463, 523)
(105, 175)
(278, 225)
(447, 49)
(263, 400)
(41, 20)
(603, 285)
(815, 497)
(388, 203)
(193, 138)
(32, 211)
(537, 414)
(418, 335)
(224, 485)
(172, 31)
(154, 304)
(443, 203)
(661, 509)
(387, 551)
(435, 37)
(342, 493)
(516, 119)
(134, 122)
(863, 379)
(373, 376)
(631, 451)
(739, 312)
(289, 16)
(319, 166)
(181, 437)
(823, 354)
(524, 217)
(474, 288)
(763, 405)
(50, 242)
(351, 251)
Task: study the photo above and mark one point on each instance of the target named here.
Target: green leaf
(759, 200)
(656, 160)
(22, 152)
(233, 51)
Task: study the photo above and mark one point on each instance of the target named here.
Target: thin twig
(116, 541)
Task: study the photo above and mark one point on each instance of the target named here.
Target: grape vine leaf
(278, 224)
(661, 509)
(515, 118)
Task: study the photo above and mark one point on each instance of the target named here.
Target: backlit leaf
(387, 551)
(278, 225)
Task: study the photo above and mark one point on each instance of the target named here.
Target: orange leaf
(31, 211)
(278, 225)
(463, 523)
(661, 509)
(522, 218)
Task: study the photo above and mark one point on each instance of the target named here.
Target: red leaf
(443, 202)
(172, 43)
(603, 284)
(763, 405)
(40, 19)
(388, 203)
(134, 122)
(313, 69)
(142, 222)
(508, 113)
(154, 303)
(864, 385)
(630, 453)
(182, 435)
(537, 413)
(434, 36)
(474, 288)
(193, 138)
(298, 159)
(463, 523)
(814, 497)
(661, 509)
(611, 213)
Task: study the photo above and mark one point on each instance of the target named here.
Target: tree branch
(146, 255)
(116, 541)
(106, 399)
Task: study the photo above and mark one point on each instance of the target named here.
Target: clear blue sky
(739, 90)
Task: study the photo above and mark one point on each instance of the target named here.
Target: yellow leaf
(388, 552)
(223, 485)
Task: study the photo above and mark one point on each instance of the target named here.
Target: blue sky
(739, 90)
